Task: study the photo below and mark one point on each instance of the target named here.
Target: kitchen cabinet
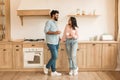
(17, 55)
(47, 54)
(62, 61)
(4, 20)
(94, 56)
(6, 55)
(81, 56)
(90, 56)
(33, 45)
(109, 56)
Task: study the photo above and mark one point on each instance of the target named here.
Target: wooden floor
(65, 76)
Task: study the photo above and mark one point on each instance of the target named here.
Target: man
(52, 39)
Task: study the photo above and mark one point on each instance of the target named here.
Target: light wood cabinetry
(47, 54)
(62, 62)
(5, 55)
(33, 45)
(90, 56)
(94, 56)
(109, 56)
(81, 56)
(17, 55)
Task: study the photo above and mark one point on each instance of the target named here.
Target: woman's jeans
(54, 54)
(71, 46)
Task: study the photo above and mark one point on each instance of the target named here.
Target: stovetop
(34, 39)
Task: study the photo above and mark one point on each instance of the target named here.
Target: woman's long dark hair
(73, 22)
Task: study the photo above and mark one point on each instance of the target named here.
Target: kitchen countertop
(22, 41)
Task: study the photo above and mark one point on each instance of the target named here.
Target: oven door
(33, 59)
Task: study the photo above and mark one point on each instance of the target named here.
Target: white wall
(33, 26)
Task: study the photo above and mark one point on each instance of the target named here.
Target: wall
(88, 26)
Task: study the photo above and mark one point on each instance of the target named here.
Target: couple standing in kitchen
(70, 37)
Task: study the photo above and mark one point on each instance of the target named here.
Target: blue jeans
(54, 54)
(71, 46)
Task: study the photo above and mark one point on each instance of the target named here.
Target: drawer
(110, 44)
(81, 46)
(32, 45)
(17, 46)
(5, 46)
(17, 50)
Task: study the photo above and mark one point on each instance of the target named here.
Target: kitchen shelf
(83, 15)
(26, 13)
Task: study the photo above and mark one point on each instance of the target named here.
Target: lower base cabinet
(17, 56)
(109, 56)
(81, 56)
(90, 56)
(93, 56)
(6, 55)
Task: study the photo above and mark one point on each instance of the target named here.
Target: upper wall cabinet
(41, 12)
(4, 20)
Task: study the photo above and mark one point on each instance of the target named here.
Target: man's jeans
(71, 46)
(54, 54)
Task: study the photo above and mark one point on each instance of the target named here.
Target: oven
(33, 53)
(33, 57)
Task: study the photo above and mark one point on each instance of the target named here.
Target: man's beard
(55, 19)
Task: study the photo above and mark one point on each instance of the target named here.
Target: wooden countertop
(97, 42)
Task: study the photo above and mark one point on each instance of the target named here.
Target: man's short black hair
(53, 12)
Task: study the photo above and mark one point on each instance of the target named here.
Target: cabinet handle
(17, 46)
(109, 44)
(62, 49)
(78, 49)
(33, 45)
(17, 49)
(4, 49)
(94, 44)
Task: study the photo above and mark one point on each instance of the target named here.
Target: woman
(70, 37)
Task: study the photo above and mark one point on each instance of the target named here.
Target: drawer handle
(94, 44)
(4, 49)
(33, 45)
(109, 44)
(62, 49)
(78, 49)
(17, 49)
(17, 46)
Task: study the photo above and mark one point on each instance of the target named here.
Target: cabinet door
(94, 56)
(62, 61)
(109, 56)
(18, 57)
(81, 56)
(5, 56)
(47, 55)
(1, 58)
